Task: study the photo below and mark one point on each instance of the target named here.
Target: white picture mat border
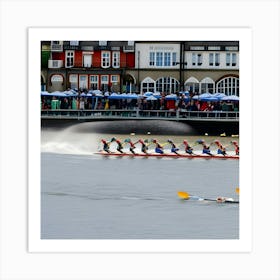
(243, 35)
(17, 263)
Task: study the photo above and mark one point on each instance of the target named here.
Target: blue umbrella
(195, 97)
(230, 98)
(205, 95)
(58, 94)
(45, 93)
(210, 99)
(115, 96)
(220, 95)
(148, 93)
(171, 97)
(132, 96)
(151, 98)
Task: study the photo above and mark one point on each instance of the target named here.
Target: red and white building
(89, 65)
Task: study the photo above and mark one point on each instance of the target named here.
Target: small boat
(187, 196)
(168, 155)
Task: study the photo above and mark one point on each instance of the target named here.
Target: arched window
(129, 83)
(228, 86)
(192, 85)
(207, 85)
(148, 84)
(167, 84)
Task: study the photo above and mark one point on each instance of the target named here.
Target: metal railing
(141, 114)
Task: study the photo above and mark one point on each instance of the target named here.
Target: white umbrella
(96, 91)
(171, 97)
(230, 98)
(151, 98)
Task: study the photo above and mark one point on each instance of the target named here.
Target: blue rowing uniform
(206, 151)
(159, 150)
(220, 152)
(174, 150)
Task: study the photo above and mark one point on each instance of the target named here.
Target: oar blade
(183, 195)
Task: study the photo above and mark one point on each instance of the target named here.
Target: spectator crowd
(83, 100)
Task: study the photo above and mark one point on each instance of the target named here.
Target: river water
(88, 196)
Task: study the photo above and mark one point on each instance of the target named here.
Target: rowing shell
(169, 155)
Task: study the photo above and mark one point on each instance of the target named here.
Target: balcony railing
(55, 63)
(141, 114)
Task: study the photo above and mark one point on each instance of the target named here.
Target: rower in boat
(159, 148)
(144, 147)
(119, 144)
(236, 147)
(188, 148)
(221, 149)
(221, 199)
(174, 149)
(106, 146)
(205, 147)
(131, 145)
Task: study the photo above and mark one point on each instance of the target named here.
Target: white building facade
(197, 67)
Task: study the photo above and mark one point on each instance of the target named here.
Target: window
(102, 43)
(148, 84)
(167, 59)
(104, 82)
(228, 86)
(93, 82)
(211, 59)
(217, 59)
(207, 88)
(228, 59)
(161, 59)
(83, 82)
(196, 59)
(74, 43)
(214, 48)
(214, 58)
(231, 59)
(167, 85)
(174, 56)
(87, 60)
(73, 80)
(105, 59)
(231, 48)
(115, 78)
(196, 48)
(116, 60)
(233, 56)
(207, 85)
(192, 85)
(152, 59)
(193, 59)
(69, 59)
